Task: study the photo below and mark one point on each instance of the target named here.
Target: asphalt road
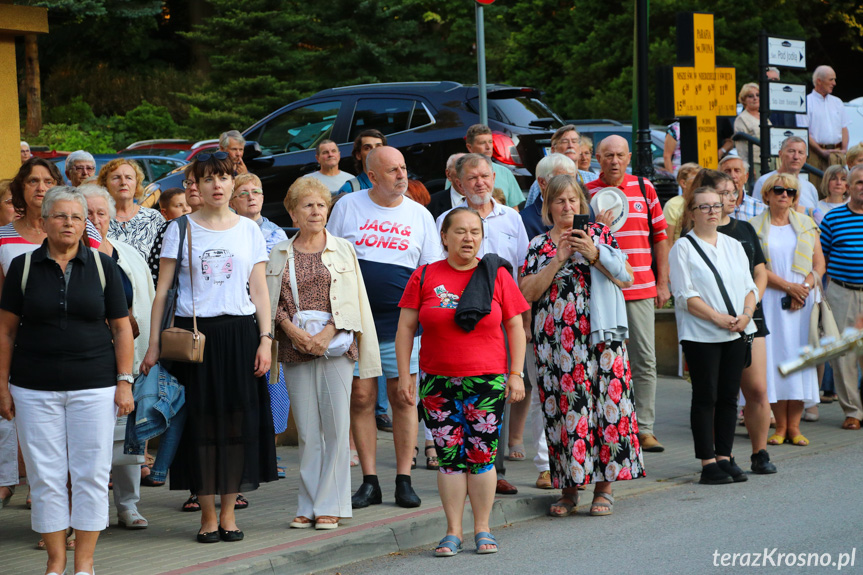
(811, 508)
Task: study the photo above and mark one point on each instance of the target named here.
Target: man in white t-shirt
(392, 236)
(328, 156)
(792, 156)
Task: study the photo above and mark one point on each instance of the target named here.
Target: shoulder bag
(313, 321)
(821, 321)
(747, 360)
(180, 344)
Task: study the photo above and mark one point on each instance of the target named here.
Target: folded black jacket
(475, 302)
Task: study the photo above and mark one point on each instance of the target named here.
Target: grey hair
(791, 140)
(79, 156)
(96, 191)
(734, 156)
(471, 161)
(773, 69)
(23, 143)
(451, 161)
(554, 162)
(60, 194)
(819, 73)
(855, 168)
(225, 138)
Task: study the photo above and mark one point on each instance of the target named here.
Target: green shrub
(148, 121)
(77, 111)
(70, 137)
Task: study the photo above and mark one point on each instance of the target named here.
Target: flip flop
(517, 453)
(451, 543)
(798, 440)
(485, 538)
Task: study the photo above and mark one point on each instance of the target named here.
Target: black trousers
(715, 369)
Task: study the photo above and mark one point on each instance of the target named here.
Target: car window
(420, 117)
(521, 111)
(159, 168)
(296, 130)
(389, 115)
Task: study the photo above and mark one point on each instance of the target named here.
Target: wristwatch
(518, 373)
(269, 334)
(127, 377)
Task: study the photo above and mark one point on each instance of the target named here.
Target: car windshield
(522, 111)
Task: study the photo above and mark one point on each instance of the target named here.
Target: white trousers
(8, 453)
(66, 433)
(535, 413)
(126, 478)
(320, 392)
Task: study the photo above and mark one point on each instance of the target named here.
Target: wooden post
(34, 85)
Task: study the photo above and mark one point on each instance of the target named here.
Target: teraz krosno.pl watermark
(772, 557)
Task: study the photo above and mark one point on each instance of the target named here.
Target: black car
(427, 121)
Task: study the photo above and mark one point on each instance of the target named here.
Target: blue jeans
(827, 381)
(168, 445)
(382, 405)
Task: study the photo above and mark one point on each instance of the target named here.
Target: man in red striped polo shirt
(646, 291)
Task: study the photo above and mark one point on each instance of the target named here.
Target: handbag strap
(292, 273)
(647, 207)
(719, 282)
(191, 278)
(171, 306)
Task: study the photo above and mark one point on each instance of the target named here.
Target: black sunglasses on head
(205, 156)
(779, 190)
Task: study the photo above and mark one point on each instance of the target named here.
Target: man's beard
(478, 199)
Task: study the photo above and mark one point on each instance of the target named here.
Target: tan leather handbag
(180, 344)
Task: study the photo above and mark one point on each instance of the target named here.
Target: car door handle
(417, 148)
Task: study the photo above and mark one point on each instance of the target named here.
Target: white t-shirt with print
(223, 262)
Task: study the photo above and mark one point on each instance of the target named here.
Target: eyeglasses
(245, 195)
(188, 184)
(74, 218)
(84, 168)
(732, 194)
(707, 208)
(780, 190)
(205, 157)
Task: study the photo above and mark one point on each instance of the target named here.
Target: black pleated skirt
(227, 444)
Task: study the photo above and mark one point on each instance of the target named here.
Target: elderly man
(827, 122)
(634, 238)
(364, 143)
(328, 156)
(445, 200)
(480, 140)
(842, 242)
(80, 166)
(233, 143)
(565, 141)
(792, 156)
(247, 200)
(25, 152)
(503, 234)
(552, 165)
(736, 167)
(392, 237)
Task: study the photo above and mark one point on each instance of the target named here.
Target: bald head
(613, 156)
(388, 173)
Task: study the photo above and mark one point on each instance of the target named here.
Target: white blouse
(690, 277)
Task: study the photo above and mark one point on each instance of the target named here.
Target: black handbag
(747, 358)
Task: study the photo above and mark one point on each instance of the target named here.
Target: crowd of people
(489, 310)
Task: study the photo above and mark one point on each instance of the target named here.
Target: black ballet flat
(210, 537)
(230, 536)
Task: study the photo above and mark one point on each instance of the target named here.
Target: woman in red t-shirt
(463, 388)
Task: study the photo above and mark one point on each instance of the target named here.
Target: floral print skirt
(464, 415)
(590, 421)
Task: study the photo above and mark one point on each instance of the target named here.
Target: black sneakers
(761, 463)
(712, 474)
(732, 469)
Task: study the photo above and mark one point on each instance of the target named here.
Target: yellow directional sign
(703, 90)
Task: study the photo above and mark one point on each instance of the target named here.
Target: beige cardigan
(349, 301)
(807, 234)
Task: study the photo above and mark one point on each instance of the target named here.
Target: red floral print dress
(585, 391)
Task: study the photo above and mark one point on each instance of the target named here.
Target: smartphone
(580, 222)
(786, 302)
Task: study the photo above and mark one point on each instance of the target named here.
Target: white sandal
(128, 520)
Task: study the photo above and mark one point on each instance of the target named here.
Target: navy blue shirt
(842, 242)
(63, 341)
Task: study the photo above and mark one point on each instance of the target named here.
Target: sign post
(480, 61)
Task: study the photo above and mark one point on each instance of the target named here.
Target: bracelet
(269, 334)
(747, 315)
(594, 260)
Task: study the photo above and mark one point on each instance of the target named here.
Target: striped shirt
(13, 245)
(633, 236)
(842, 242)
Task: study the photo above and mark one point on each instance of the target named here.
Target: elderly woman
(139, 293)
(795, 262)
(714, 297)
(7, 209)
(749, 122)
(80, 166)
(833, 192)
(463, 394)
(322, 270)
(56, 324)
(585, 154)
(134, 225)
(584, 384)
(227, 443)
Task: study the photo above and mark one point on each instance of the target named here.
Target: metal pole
(480, 65)
(764, 110)
(643, 156)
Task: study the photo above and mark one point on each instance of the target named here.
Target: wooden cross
(701, 90)
(14, 21)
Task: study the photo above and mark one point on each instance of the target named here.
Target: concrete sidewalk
(168, 547)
